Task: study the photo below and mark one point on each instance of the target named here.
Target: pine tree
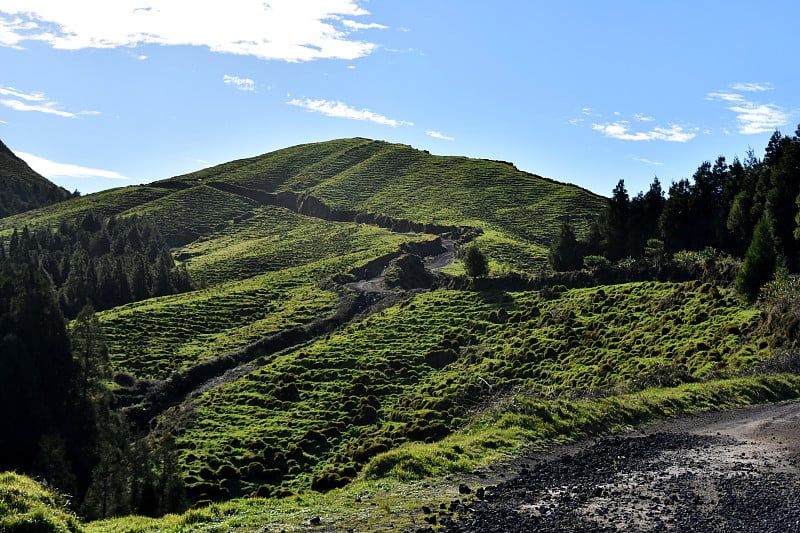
(615, 224)
(759, 261)
(91, 353)
(565, 251)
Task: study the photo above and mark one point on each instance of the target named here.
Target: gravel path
(717, 472)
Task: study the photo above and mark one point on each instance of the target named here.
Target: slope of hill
(21, 188)
(293, 368)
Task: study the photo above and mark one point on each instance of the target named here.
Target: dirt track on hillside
(736, 471)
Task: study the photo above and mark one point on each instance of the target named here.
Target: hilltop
(21, 188)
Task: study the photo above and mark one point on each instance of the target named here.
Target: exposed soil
(433, 263)
(716, 472)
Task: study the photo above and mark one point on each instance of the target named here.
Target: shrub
(475, 262)
(596, 262)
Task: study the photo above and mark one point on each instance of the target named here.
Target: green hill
(21, 188)
(291, 369)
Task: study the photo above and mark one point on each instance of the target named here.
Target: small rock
(464, 489)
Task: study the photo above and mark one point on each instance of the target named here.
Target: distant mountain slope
(519, 213)
(21, 188)
(398, 181)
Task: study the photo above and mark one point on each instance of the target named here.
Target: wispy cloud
(752, 117)
(439, 135)
(285, 30)
(16, 105)
(30, 97)
(353, 25)
(621, 130)
(643, 118)
(646, 161)
(725, 97)
(243, 84)
(336, 109)
(37, 102)
(52, 169)
(752, 87)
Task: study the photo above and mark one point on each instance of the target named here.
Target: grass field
(416, 372)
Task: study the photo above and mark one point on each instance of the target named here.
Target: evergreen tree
(35, 364)
(91, 354)
(169, 479)
(676, 219)
(759, 261)
(616, 223)
(645, 212)
(565, 251)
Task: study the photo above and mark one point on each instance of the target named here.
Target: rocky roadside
(719, 472)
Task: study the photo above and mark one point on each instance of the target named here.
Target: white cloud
(16, 105)
(643, 118)
(621, 130)
(353, 25)
(725, 97)
(30, 97)
(39, 103)
(341, 110)
(439, 135)
(752, 87)
(243, 84)
(646, 161)
(759, 118)
(753, 117)
(285, 30)
(51, 169)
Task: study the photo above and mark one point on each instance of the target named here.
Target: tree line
(102, 262)
(57, 416)
(748, 209)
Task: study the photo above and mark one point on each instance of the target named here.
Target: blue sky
(97, 94)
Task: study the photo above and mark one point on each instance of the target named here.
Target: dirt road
(718, 472)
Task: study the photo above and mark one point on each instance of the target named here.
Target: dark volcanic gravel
(717, 473)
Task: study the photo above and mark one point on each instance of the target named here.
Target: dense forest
(55, 401)
(748, 209)
(104, 263)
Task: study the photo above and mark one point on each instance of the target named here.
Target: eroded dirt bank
(732, 471)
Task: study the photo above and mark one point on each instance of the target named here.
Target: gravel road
(734, 471)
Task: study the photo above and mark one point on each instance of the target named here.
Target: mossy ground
(417, 371)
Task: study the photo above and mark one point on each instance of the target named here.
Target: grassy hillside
(519, 212)
(415, 371)
(410, 384)
(26, 506)
(21, 188)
